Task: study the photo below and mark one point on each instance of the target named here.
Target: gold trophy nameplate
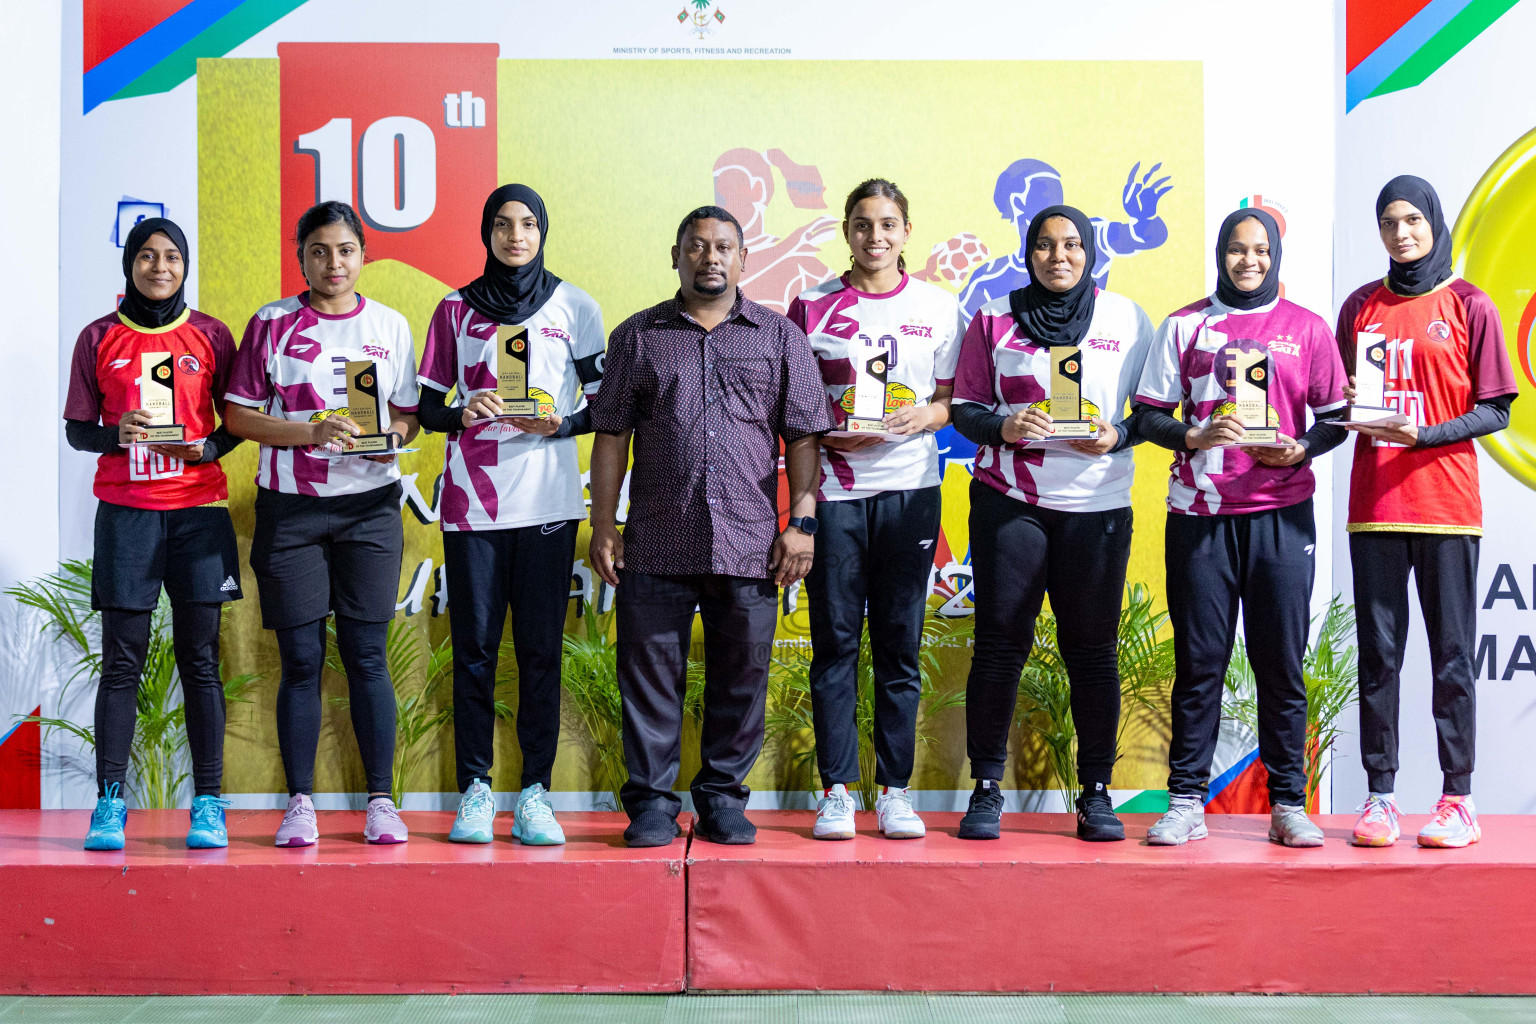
(157, 396)
(512, 351)
(1250, 396)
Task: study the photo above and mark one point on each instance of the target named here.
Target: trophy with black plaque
(157, 397)
(871, 383)
(512, 351)
(1066, 404)
(1370, 406)
(1250, 397)
(366, 410)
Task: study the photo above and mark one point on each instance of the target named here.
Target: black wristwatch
(805, 523)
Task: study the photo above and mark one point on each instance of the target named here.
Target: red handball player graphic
(951, 261)
(777, 269)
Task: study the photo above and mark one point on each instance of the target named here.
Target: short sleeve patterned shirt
(708, 410)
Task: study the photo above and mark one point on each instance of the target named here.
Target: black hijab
(138, 308)
(1230, 294)
(1056, 318)
(1423, 274)
(510, 295)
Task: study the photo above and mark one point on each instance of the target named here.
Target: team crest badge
(1439, 330)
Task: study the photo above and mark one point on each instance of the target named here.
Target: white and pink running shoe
(1453, 825)
(384, 824)
(298, 827)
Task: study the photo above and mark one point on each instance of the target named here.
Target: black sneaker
(652, 828)
(1096, 821)
(984, 817)
(726, 826)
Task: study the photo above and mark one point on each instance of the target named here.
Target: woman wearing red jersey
(1414, 504)
(163, 516)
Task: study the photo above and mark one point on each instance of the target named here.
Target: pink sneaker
(1377, 824)
(384, 824)
(298, 827)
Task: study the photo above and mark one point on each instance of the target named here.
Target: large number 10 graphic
(396, 169)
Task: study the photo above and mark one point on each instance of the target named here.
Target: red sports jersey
(1445, 353)
(104, 384)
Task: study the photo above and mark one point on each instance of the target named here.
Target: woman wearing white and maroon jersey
(1414, 500)
(877, 508)
(511, 498)
(163, 517)
(328, 536)
(1240, 529)
(1049, 516)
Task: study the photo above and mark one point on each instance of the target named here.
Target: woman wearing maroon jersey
(1414, 501)
(163, 517)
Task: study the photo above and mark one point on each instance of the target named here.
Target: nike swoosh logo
(551, 527)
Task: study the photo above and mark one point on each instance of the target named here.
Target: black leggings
(1019, 553)
(371, 696)
(124, 648)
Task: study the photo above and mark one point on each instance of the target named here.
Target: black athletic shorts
(191, 551)
(313, 556)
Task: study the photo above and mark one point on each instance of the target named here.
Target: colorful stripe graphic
(152, 46)
(1396, 44)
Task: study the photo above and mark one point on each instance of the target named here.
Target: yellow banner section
(621, 150)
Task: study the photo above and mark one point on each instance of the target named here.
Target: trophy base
(362, 444)
(166, 433)
(856, 425)
(1373, 416)
(1261, 437)
(1073, 430)
(524, 407)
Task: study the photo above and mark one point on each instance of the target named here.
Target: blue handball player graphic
(1027, 187)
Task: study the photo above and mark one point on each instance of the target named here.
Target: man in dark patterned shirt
(706, 384)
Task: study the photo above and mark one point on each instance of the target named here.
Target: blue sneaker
(207, 831)
(477, 812)
(107, 821)
(533, 822)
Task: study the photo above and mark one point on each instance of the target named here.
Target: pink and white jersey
(292, 365)
(497, 476)
(1190, 366)
(921, 325)
(1003, 370)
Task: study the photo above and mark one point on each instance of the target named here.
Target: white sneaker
(1453, 825)
(893, 809)
(533, 821)
(834, 814)
(1184, 822)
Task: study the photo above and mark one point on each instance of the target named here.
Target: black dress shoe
(726, 826)
(652, 828)
(984, 817)
(1096, 821)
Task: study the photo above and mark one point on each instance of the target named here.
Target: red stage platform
(343, 916)
(1041, 911)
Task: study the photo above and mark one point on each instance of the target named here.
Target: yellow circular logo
(1497, 220)
(878, 366)
(519, 344)
(366, 380)
(162, 372)
(1259, 373)
(1071, 366)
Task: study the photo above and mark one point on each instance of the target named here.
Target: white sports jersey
(921, 326)
(1006, 372)
(497, 476)
(292, 365)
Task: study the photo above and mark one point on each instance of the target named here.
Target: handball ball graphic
(951, 261)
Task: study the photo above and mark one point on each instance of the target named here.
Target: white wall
(29, 226)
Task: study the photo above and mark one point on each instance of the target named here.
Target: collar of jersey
(185, 313)
(1386, 283)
